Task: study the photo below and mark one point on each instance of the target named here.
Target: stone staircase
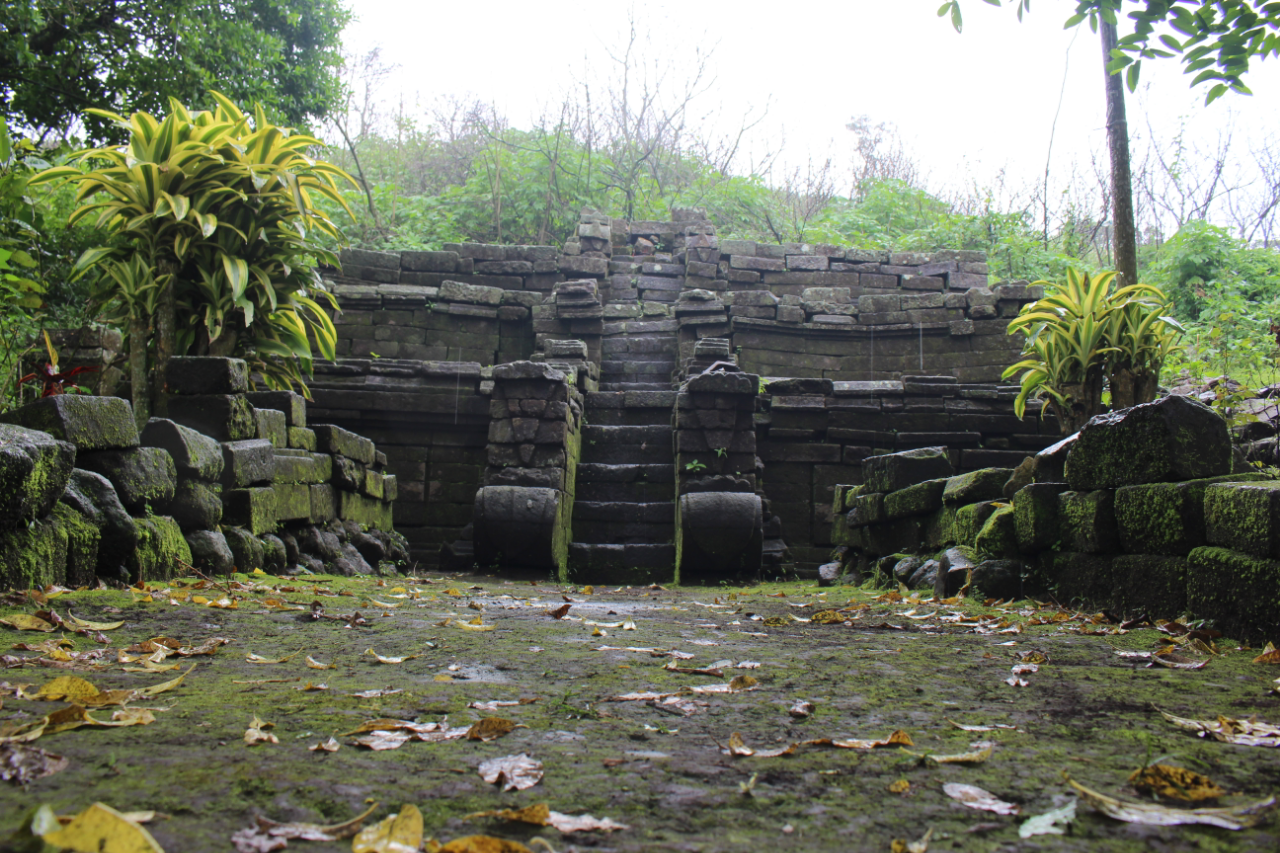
(624, 510)
(640, 361)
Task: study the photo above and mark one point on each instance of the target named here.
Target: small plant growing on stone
(695, 466)
(721, 452)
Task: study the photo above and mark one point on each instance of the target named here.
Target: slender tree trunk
(166, 343)
(1126, 240)
(138, 386)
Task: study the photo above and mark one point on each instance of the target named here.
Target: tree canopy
(61, 57)
(1215, 39)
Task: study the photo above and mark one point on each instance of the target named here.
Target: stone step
(635, 492)
(648, 434)
(632, 564)
(638, 367)
(635, 386)
(658, 512)
(622, 532)
(631, 400)
(598, 472)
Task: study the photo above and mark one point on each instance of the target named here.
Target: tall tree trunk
(1126, 240)
(139, 388)
(166, 342)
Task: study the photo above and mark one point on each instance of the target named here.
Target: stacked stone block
(523, 513)
(60, 523)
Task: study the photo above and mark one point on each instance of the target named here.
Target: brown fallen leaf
(800, 710)
(101, 827)
(897, 738)
(1175, 783)
(1176, 661)
(268, 835)
(1250, 732)
(1152, 814)
(399, 833)
(560, 612)
(24, 764)
(540, 815)
(512, 772)
(492, 728)
(976, 798)
(1270, 654)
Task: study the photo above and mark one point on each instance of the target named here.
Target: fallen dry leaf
(1270, 654)
(101, 827)
(92, 626)
(24, 764)
(1177, 661)
(312, 663)
(901, 786)
(375, 694)
(991, 728)
(976, 756)
(540, 815)
(492, 728)
(560, 612)
(1049, 823)
(267, 835)
(399, 833)
(1175, 783)
(1251, 732)
(1152, 814)
(381, 659)
(330, 745)
(252, 658)
(899, 845)
(26, 622)
(801, 710)
(976, 798)
(512, 772)
(257, 733)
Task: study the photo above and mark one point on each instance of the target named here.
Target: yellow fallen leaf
(311, 687)
(92, 626)
(25, 622)
(164, 686)
(199, 599)
(257, 733)
(312, 663)
(330, 745)
(102, 829)
(901, 786)
(1269, 654)
(151, 666)
(1153, 814)
(443, 677)
(381, 659)
(70, 688)
(399, 833)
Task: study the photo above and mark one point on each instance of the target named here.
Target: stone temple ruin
(652, 403)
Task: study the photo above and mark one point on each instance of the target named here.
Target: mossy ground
(1087, 711)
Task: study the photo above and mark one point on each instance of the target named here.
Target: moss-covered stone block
(1175, 438)
(841, 497)
(88, 422)
(83, 538)
(224, 417)
(295, 466)
(969, 520)
(895, 471)
(998, 538)
(367, 511)
(867, 508)
(1152, 583)
(1079, 576)
(293, 501)
(391, 487)
(373, 484)
(272, 426)
(247, 552)
(34, 555)
(34, 470)
(292, 406)
(1244, 517)
(1238, 592)
(194, 453)
(161, 552)
(144, 477)
(938, 528)
(1087, 521)
(1035, 509)
(918, 499)
(302, 438)
(903, 534)
(253, 509)
(324, 503)
(335, 439)
(985, 484)
(248, 463)
(196, 505)
(1166, 518)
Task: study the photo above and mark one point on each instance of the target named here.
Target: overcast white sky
(966, 105)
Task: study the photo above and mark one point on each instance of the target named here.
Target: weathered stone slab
(223, 417)
(88, 422)
(893, 471)
(247, 463)
(336, 440)
(34, 470)
(1166, 518)
(195, 374)
(1175, 438)
(1244, 517)
(143, 477)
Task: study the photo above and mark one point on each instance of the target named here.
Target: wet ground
(718, 673)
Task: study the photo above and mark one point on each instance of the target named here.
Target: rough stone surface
(90, 423)
(196, 505)
(1244, 517)
(252, 508)
(210, 551)
(194, 454)
(954, 571)
(1175, 438)
(161, 550)
(34, 469)
(93, 496)
(918, 499)
(985, 484)
(224, 417)
(334, 439)
(894, 471)
(1166, 518)
(247, 463)
(144, 477)
(246, 549)
(196, 374)
(997, 579)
